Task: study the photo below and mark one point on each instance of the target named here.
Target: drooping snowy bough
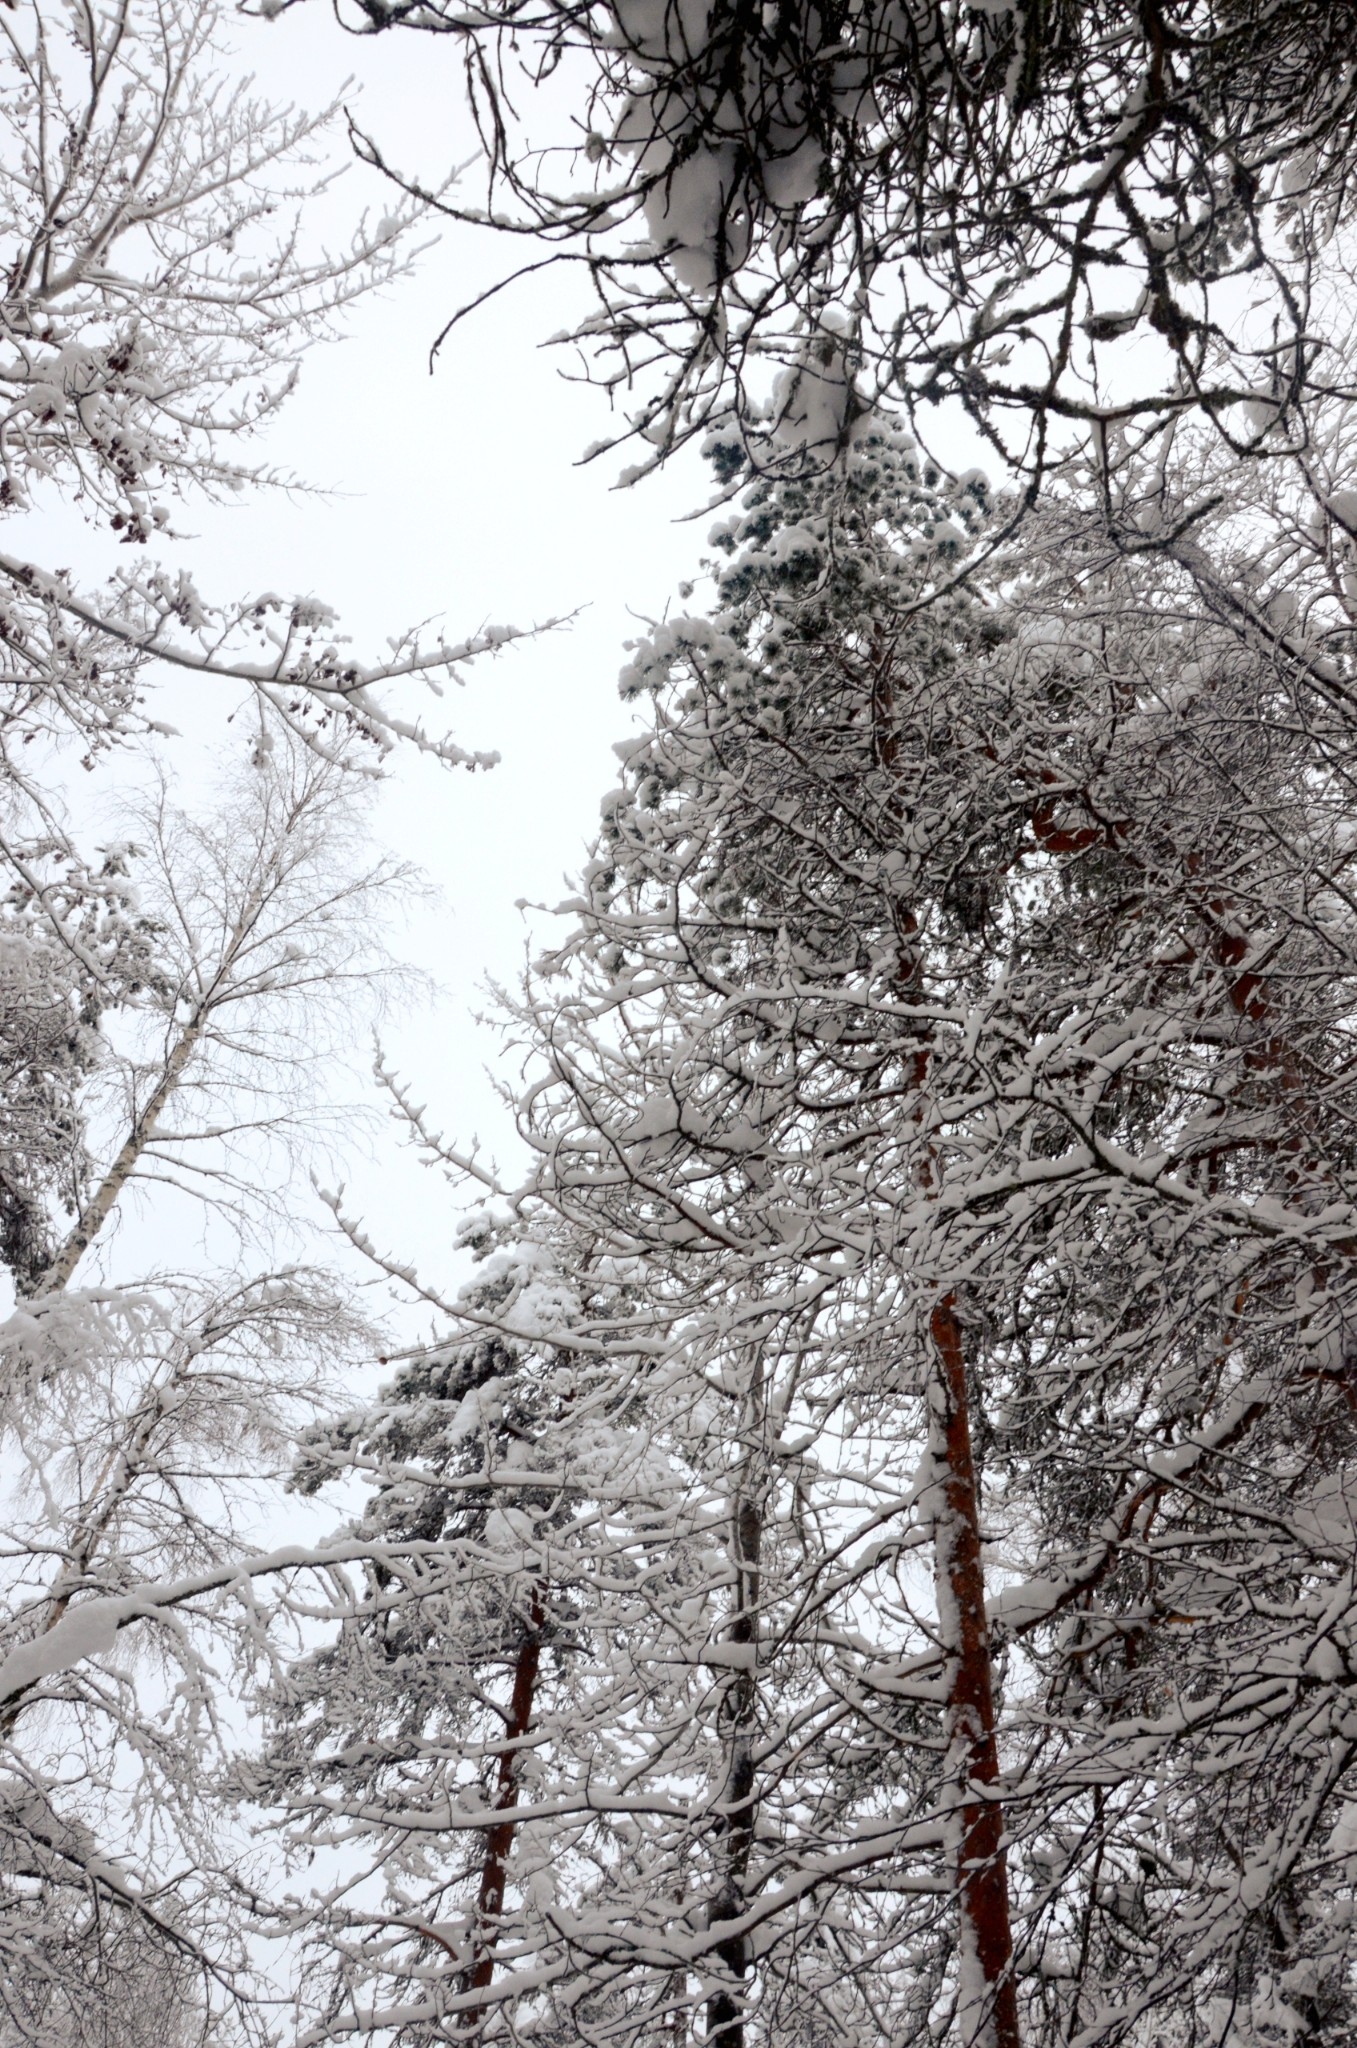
(1055, 215)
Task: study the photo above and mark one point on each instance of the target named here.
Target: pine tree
(942, 1192)
(481, 1676)
(769, 959)
(935, 970)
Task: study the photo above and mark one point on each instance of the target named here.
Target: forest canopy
(858, 1543)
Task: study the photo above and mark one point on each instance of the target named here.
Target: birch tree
(165, 280)
(148, 1416)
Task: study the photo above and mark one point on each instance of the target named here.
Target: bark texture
(988, 2009)
(725, 2007)
(499, 1839)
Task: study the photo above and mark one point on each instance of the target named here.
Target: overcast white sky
(462, 497)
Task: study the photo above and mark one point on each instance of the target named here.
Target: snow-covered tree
(264, 917)
(974, 973)
(151, 1405)
(165, 283)
(1202, 1308)
(738, 1769)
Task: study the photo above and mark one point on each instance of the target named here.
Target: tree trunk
(499, 1839)
(725, 2007)
(96, 1211)
(987, 2000)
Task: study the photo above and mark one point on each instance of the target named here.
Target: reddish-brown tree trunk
(499, 1839)
(988, 2008)
(725, 2007)
(987, 2003)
